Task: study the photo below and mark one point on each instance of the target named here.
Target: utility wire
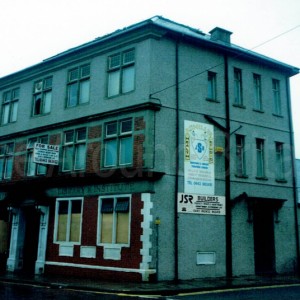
(220, 64)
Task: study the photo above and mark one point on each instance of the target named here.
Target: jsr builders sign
(45, 154)
(201, 204)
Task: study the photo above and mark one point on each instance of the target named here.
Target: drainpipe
(176, 277)
(227, 175)
(292, 145)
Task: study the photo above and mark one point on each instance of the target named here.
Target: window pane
(47, 102)
(5, 116)
(114, 61)
(111, 129)
(37, 104)
(110, 153)
(80, 157)
(1, 167)
(106, 228)
(14, 111)
(128, 57)
(62, 220)
(122, 228)
(69, 136)
(73, 74)
(30, 165)
(128, 80)
(41, 169)
(68, 158)
(107, 205)
(211, 87)
(84, 91)
(126, 151)
(85, 71)
(126, 126)
(81, 134)
(72, 94)
(8, 167)
(75, 221)
(113, 83)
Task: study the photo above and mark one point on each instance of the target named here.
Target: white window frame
(42, 90)
(118, 65)
(74, 144)
(115, 197)
(67, 242)
(38, 169)
(78, 77)
(117, 136)
(7, 157)
(10, 106)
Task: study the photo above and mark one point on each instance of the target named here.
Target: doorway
(264, 245)
(31, 239)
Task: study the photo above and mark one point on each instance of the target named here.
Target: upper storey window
(78, 86)
(42, 96)
(10, 106)
(121, 73)
(6, 160)
(257, 92)
(238, 90)
(276, 97)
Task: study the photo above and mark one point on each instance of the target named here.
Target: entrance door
(32, 225)
(264, 247)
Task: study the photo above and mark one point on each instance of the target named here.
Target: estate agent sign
(199, 167)
(46, 154)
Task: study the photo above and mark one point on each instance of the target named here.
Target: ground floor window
(114, 219)
(68, 220)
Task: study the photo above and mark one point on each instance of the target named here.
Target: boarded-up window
(114, 225)
(69, 213)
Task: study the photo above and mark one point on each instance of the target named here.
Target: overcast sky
(32, 30)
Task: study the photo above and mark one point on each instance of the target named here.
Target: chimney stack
(220, 35)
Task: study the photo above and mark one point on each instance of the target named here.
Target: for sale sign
(46, 154)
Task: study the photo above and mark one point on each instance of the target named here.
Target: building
(154, 152)
(298, 179)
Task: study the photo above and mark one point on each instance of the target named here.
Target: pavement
(164, 288)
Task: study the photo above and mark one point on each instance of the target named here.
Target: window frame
(241, 170)
(8, 158)
(280, 166)
(74, 145)
(211, 86)
(69, 217)
(258, 105)
(78, 81)
(42, 88)
(10, 114)
(114, 220)
(30, 164)
(118, 136)
(260, 159)
(276, 97)
(119, 67)
(238, 87)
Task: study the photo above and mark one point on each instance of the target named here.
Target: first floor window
(118, 143)
(68, 220)
(276, 96)
(114, 219)
(212, 86)
(6, 160)
(238, 90)
(257, 92)
(260, 158)
(74, 155)
(10, 106)
(279, 161)
(42, 96)
(240, 155)
(32, 167)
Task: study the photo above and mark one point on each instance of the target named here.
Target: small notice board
(46, 154)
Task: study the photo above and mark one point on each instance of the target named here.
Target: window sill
(212, 100)
(281, 180)
(278, 116)
(262, 178)
(239, 105)
(241, 176)
(258, 111)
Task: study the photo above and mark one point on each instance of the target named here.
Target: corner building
(104, 203)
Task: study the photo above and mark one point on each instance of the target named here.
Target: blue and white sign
(199, 166)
